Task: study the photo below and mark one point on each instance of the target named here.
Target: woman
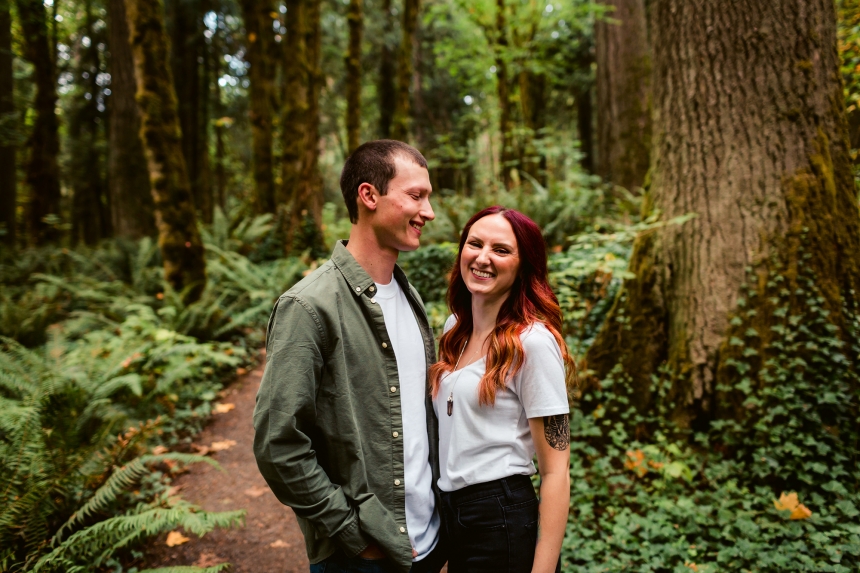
(499, 392)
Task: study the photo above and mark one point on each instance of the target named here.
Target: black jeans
(492, 527)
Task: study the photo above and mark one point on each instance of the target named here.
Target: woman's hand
(551, 436)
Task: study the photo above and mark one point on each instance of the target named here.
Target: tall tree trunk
(132, 210)
(86, 173)
(533, 106)
(220, 152)
(8, 191)
(507, 156)
(187, 54)
(42, 169)
(763, 159)
(402, 121)
(623, 94)
(305, 230)
(260, 38)
(387, 92)
(178, 236)
(585, 126)
(355, 17)
(294, 101)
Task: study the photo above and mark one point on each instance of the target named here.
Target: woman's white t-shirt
(478, 443)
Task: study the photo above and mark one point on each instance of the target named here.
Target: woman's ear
(368, 196)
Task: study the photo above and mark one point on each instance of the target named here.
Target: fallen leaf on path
(175, 538)
(173, 490)
(224, 445)
(256, 491)
(789, 502)
(279, 543)
(202, 450)
(222, 408)
(208, 560)
(241, 371)
(158, 450)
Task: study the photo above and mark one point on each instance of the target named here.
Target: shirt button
(397, 482)
(394, 388)
(373, 288)
(395, 434)
(402, 530)
(373, 300)
(357, 289)
(385, 345)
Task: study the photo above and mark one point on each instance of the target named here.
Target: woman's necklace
(457, 379)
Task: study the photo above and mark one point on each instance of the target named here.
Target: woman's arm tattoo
(556, 429)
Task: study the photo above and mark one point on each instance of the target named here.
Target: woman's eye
(502, 251)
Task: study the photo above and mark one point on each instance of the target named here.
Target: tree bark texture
(86, 174)
(585, 126)
(305, 223)
(178, 236)
(294, 101)
(750, 134)
(533, 108)
(42, 169)
(8, 183)
(402, 121)
(355, 17)
(260, 39)
(623, 94)
(187, 55)
(132, 211)
(386, 90)
(507, 156)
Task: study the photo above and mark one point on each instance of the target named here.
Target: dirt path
(271, 540)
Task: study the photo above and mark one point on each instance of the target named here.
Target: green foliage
(428, 269)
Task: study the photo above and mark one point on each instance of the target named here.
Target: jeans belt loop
(505, 485)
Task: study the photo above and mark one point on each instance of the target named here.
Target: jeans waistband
(502, 486)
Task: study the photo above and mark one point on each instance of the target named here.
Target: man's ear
(368, 196)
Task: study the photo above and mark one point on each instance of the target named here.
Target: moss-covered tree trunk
(186, 63)
(585, 125)
(8, 187)
(42, 169)
(294, 101)
(178, 236)
(532, 86)
(132, 211)
(402, 121)
(259, 41)
(750, 134)
(386, 91)
(355, 17)
(305, 221)
(623, 94)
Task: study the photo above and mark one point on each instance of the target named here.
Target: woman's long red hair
(531, 300)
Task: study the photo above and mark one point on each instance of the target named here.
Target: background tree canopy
(169, 167)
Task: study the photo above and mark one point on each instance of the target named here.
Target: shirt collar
(355, 275)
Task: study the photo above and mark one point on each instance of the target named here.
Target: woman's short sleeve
(449, 324)
(540, 383)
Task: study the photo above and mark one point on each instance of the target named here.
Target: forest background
(168, 169)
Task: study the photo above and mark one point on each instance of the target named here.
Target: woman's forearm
(553, 511)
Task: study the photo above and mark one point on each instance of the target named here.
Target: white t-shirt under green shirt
(478, 444)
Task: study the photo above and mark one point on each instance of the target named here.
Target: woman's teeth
(481, 274)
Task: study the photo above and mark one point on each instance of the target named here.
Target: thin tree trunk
(305, 230)
(585, 126)
(387, 92)
(8, 190)
(42, 170)
(178, 236)
(402, 121)
(132, 210)
(623, 94)
(750, 134)
(220, 172)
(86, 173)
(507, 156)
(355, 17)
(533, 106)
(294, 101)
(260, 37)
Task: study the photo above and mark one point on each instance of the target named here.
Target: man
(345, 430)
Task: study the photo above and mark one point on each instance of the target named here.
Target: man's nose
(427, 210)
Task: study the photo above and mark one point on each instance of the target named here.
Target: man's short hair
(373, 162)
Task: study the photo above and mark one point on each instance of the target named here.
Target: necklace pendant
(451, 404)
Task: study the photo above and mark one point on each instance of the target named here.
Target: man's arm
(285, 414)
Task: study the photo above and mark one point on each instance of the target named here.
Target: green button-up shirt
(328, 407)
